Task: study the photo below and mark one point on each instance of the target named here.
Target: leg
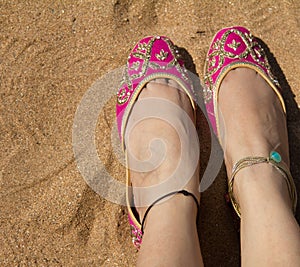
(170, 236)
(253, 123)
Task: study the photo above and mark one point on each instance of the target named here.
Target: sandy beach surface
(51, 54)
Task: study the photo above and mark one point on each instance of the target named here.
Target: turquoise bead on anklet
(275, 156)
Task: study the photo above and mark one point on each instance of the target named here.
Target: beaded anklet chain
(275, 160)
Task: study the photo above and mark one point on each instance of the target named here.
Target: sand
(52, 52)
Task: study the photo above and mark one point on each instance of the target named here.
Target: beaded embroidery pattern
(139, 62)
(222, 50)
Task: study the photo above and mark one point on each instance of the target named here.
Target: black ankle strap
(184, 192)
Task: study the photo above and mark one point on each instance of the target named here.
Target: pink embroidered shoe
(151, 58)
(232, 48)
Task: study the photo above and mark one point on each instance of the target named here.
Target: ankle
(250, 147)
(261, 184)
(180, 208)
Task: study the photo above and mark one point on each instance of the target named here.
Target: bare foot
(252, 123)
(153, 138)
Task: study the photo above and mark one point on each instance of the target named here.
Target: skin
(177, 214)
(252, 123)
